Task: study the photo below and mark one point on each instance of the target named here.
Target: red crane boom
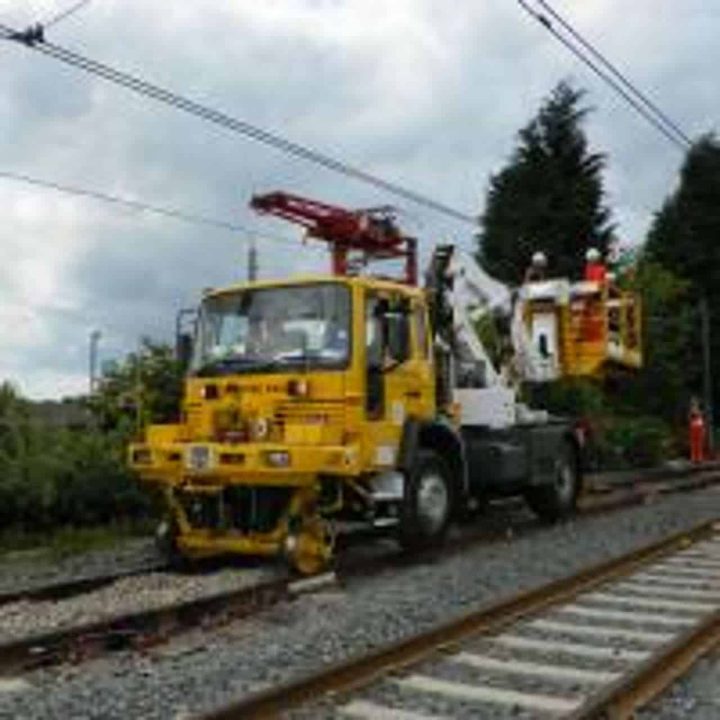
(355, 236)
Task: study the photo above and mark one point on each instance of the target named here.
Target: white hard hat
(539, 258)
(592, 255)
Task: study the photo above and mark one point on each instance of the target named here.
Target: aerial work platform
(578, 329)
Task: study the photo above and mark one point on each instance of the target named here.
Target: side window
(375, 384)
(421, 331)
(387, 332)
(373, 333)
(397, 322)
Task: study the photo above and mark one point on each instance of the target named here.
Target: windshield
(270, 329)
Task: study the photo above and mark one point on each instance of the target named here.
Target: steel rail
(603, 498)
(360, 671)
(621, 699)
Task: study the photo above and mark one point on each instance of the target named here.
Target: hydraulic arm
(356, 237)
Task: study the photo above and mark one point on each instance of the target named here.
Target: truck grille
(311, 413)
(328, 419)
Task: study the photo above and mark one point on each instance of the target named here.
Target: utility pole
(252, 262)
(139, 387)
(707, 373)
(95, 336)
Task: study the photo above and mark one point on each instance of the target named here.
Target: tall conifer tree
(549, 197)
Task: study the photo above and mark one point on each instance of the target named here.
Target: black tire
(558, 499)
(428, 503)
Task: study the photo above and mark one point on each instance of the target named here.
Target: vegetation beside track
(66, 486)
(22, 546)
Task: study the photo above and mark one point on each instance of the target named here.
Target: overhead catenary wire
(65, 14)
(34, 38)
(605, 75)
(618, 74)
(132, 204)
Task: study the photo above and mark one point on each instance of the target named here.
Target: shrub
(633, 442)
(52, 477)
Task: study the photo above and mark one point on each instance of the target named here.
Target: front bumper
(198, 543)
(205, 464)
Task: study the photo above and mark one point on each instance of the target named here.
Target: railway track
(597, 644)
(151, 627)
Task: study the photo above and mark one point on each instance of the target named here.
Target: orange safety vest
(595, 272)
(697, 436)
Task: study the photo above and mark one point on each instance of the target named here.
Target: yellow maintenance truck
(319, 403)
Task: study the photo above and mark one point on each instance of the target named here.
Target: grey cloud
(434, 102)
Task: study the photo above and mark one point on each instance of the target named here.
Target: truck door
(398, 374)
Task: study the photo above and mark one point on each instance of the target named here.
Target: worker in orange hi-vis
(697, 432)
(595, 269)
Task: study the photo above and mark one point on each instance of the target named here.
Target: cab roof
(364, 281)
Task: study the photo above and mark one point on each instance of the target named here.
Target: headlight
(298, 388)
(259, 428)
(278, 458)
(142, 456)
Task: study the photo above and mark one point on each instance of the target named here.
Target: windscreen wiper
(233, 363)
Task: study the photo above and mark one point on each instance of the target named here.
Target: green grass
(64, 542)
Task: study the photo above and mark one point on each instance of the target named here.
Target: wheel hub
(432, 501)
(564, 479)
(311, 549)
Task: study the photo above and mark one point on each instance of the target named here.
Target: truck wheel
(311, 551)
(427, 505)
(556, 500)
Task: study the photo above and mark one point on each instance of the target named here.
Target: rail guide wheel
(310, 550)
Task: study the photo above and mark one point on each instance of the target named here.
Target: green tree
(145, 387)
(685, 239)
(670, 340)
(549, 197)
(685, 234)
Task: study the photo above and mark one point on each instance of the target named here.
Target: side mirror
(184, 349)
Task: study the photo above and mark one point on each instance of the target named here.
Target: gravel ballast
(199, 671)
(31, 569)
(695, 697)
(128, 595)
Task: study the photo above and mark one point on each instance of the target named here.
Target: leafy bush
(52, 477)
(619, 435)
(631, 442)
(575, 397)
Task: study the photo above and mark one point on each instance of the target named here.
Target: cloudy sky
(423, 92)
